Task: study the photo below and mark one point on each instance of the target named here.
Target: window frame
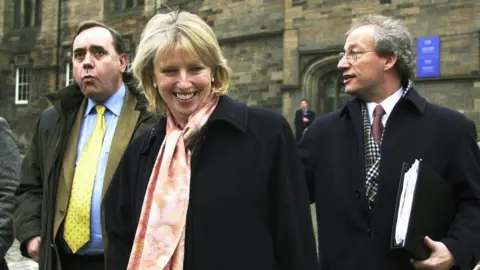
(22, 83)
(130, 57)
(19, 18)
(121, 5)
(69, 74)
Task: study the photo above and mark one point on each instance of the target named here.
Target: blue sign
(428, 57)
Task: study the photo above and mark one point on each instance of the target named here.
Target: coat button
(358, 194)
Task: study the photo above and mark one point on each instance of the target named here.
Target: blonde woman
(215, 185)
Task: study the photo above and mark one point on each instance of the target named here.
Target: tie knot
(379, 111)
(100, 109)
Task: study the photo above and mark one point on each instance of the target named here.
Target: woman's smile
(185, 96)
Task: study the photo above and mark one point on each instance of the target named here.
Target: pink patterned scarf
(160, 238)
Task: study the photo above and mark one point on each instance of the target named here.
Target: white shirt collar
(113, 104)
(388, 104)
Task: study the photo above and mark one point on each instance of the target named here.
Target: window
(16, 13)
(129, 61)
(127, 4)
(26, 13)
(22, 85)
(68, 74)
(385, 1)
(332, 92)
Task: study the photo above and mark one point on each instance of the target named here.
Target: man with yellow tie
(75, 150)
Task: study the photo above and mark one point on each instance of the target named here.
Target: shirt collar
(113, 104)
(388, 104)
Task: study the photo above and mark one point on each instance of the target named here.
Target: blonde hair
(173, 30)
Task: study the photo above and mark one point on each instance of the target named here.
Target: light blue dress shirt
(113, 108)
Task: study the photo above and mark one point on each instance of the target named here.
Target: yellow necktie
(77, 221)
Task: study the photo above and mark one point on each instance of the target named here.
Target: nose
(87, 61)
(343, 63)
(183, 80)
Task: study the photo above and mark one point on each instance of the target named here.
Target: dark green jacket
(37, 193)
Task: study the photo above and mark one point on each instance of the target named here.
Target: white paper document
(405, 205)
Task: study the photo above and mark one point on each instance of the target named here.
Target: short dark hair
(304, 99)
(118, 42)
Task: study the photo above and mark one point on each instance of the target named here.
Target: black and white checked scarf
(372, 152)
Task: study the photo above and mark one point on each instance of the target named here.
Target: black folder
(432, 213)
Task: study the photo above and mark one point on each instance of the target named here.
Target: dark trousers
(77, 262)
(82, 262)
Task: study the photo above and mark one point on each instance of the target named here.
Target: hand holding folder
(425, 207)
(440, 258)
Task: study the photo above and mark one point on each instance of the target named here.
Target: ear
(389, 62)
(154, 78)
(123, 62)
(212, 73)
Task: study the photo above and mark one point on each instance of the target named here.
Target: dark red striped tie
(377, 124)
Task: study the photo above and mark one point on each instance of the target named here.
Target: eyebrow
(92, 47)
(176, 65)
(97, 47)
(351, 46)
(79, 50)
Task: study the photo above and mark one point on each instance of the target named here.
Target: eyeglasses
(352, 56)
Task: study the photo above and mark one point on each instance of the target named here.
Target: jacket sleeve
(292, 221)
(28, 197)
(9, 173)
(463, 171)
(118, 216)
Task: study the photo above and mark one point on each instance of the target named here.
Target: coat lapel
(355, 113)
(70, 157)
(354, 108)
(67, 171)
(121, 138)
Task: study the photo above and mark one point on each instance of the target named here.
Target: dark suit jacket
(332, 151)
(300, 125)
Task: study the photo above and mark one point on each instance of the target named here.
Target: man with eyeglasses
(353, 158)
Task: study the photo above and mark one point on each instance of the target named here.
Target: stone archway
(331, 94)
(322, 85)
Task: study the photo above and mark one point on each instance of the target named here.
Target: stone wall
(316, 28)
(256, 71)
(269, 44)
(460, 94)
(321, 24)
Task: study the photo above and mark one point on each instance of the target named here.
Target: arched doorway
(331, 94)
(323, 86)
